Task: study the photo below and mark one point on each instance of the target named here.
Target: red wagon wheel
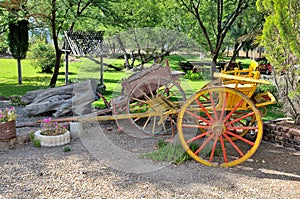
(223, 115)
(156, 95)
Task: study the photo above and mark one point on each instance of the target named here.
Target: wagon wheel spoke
(144, 94)
(173, 94)
(167, 88)
(240, 138)
(204, 144)
(242, 124)
(150, 90)
(197, 137)
(158, 85)
(213, 148)
(223, 149)
(153, 126)
(146, 123)
(223, 121)
(234, 145)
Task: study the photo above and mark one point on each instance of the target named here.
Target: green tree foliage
(136, 28)
(62, 15)
(3, 30)
(214, 20)
(245, 30)
(18, 43)
(281, 39)
(42, 57)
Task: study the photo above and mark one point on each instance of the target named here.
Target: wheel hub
(218, 128)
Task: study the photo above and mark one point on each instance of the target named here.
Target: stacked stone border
(282, 132)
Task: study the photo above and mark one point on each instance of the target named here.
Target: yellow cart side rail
(127, 116)
(93, 118)
(239, 78)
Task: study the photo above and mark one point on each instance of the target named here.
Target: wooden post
(101, 64)
(67, 68)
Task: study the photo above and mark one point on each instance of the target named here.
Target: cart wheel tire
(158, 95)
(217, 139)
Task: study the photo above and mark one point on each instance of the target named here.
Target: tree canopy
(281, 39)
(215, 18)
(214, 24)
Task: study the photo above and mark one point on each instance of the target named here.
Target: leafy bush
(42, 56)
(265, 87)
(17, 101)
(193, 75)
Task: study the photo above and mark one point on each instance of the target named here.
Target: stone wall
(282, 133)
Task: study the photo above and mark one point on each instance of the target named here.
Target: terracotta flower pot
(7, 130)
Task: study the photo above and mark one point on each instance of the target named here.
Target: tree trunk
(56, 69)
(247, 53)
(132, 59)
(213, 66)
(19, 71)
(259, 56)
(126, 62)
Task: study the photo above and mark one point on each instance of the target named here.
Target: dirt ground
(272, 172)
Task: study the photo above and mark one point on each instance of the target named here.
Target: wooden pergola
(83, 44)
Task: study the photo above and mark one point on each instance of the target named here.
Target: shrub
(193, 75)
(265, 87)
(42, 56)
(17, 101)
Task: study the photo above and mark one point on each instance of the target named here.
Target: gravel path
(91, 170)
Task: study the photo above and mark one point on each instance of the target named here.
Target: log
(60, 101)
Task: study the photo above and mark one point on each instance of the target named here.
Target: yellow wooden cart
(220, 125)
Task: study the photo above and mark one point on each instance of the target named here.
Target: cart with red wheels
(221, 124)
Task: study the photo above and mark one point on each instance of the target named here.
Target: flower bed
(52, 133)
(55, 140)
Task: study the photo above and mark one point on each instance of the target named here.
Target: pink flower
(47, 120)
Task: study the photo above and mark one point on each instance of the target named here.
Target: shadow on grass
(69, 73)
(8, 90)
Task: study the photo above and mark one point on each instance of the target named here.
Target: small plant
(35, 142)
(31, 136)
(8, 114)
(17, 101)
(52, 128)
(161, 143)
(67, 149)
(172, 152)
(185, 156)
